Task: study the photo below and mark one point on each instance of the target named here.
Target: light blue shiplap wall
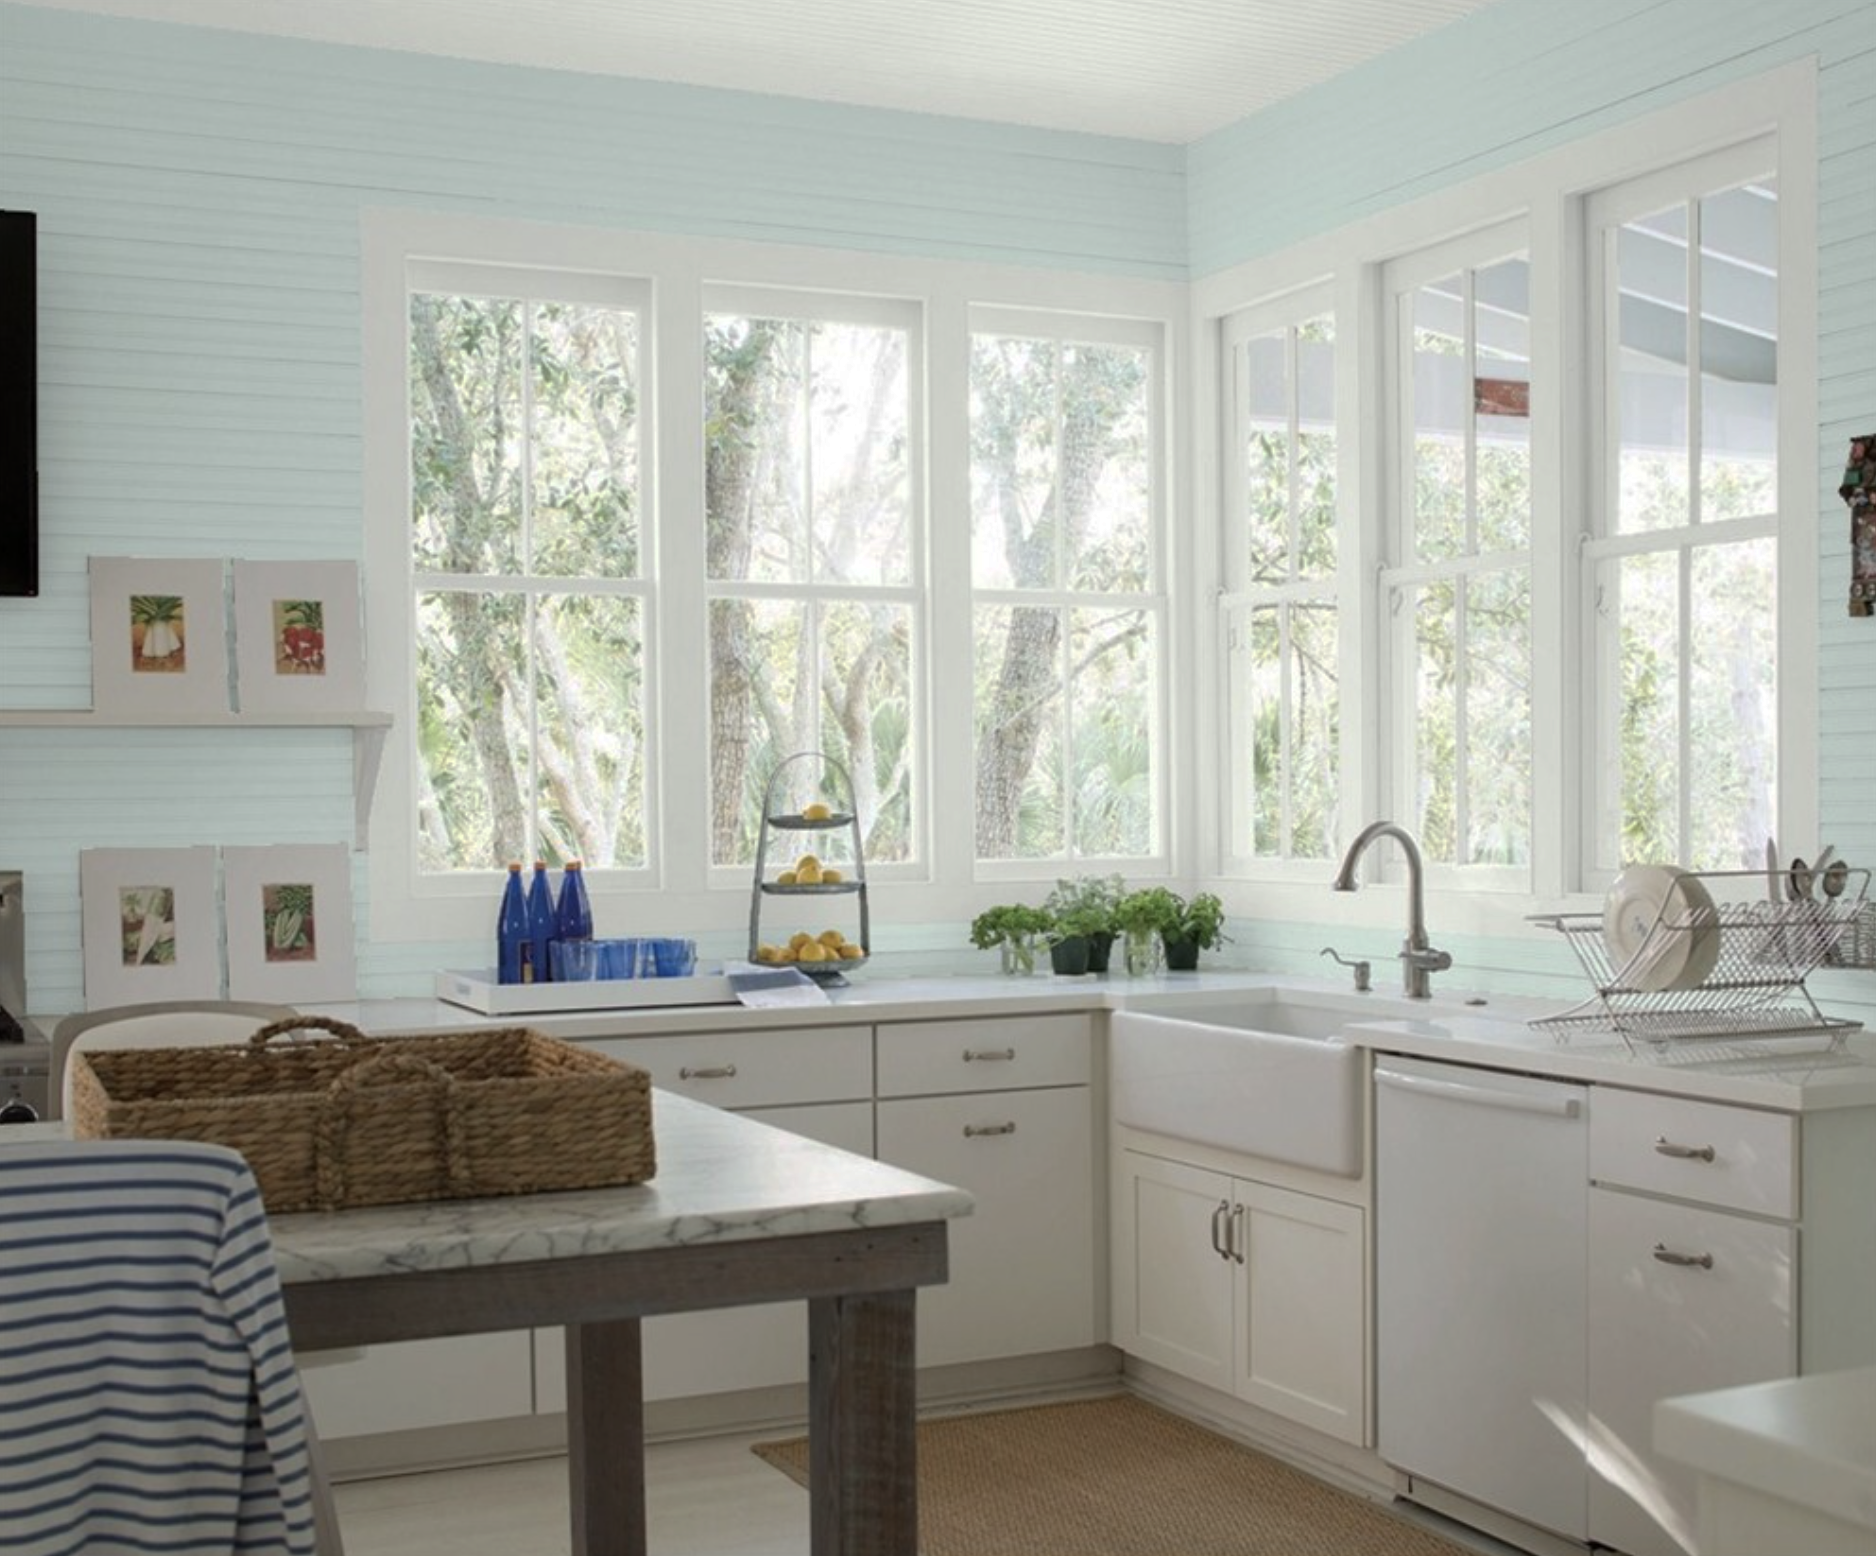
(1522, 77)
(199, 196)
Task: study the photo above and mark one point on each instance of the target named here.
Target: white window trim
(1547, 190)
(682, 271)
(1234, 593)
(1153, 337)
(1397, 566)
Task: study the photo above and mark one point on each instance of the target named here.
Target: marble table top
(722, 1177)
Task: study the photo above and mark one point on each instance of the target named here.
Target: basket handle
(344, 1031)
(335, 1118)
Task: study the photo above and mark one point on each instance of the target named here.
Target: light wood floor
(707, 1497)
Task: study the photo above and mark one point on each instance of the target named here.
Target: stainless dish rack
(1755, 988)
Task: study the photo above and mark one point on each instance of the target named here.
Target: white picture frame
(159, 635)
(289, 923)
(298, 637)
(150, 925)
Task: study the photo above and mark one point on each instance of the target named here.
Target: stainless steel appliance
(22, 1059)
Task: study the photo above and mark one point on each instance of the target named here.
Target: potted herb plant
(1199, 925)
(1143, 917)
(1085, 907)
(1015, 927)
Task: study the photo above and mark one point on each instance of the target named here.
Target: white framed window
(1456, 585)
(1067, 502)
(814, 555)
(788, 569)
(1681, 553)
(1575, 418)
(529, 568)
(1281, 614)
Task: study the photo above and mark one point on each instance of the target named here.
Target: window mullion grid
(1695, 397)
(1286, 661)
(1065, 724)
(1058, 430)
(1286, 731)
(529, 618)
(1469, 421)
(807, 454)
(1684, 674)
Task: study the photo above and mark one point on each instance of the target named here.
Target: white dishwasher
(1482, 1185)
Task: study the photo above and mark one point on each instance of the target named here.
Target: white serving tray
(479, 991)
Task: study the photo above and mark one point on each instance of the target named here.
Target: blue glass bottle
(511, 931)
(542, 925)
(573, 918)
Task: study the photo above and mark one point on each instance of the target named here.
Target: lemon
(815, 812)
(808, 875)
(807, 862)
(798, 939)
(787, 878)
(784, 955)
(830, 938)
(850, 952)
(767, 953)
(830, 876)
(813, 951)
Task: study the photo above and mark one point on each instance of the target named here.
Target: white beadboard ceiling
(1157, 70)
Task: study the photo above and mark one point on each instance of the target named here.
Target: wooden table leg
(606, 1438)
(862, 1419)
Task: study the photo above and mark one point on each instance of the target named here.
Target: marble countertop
(1809, 1440)
(1797, 1075)
(721, 1177)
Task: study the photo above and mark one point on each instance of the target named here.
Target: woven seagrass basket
(332, 1123)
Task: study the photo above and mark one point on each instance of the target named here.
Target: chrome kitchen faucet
(1419, 961)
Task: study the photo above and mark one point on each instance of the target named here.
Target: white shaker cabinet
(1004, 1109)
(1683, 1297)
(1248, 1287)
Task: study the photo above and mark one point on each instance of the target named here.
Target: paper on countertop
(767, 987)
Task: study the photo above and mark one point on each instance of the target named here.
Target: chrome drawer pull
(715, 1072)
(1234, 1239)
(1667, 1256)
(1218, 1223)
(988, 1053)
(972, 1131)
(1686, 1153)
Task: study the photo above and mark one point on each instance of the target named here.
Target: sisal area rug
(1118, 1477)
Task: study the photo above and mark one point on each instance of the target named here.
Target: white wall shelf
(367, 726)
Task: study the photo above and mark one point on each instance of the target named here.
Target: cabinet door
(1022, 1262)
(419, 1383)
(1301, 1280)
(1660, 1328)
(1172, 1287)
(730, 1348)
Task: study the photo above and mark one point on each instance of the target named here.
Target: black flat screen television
(19, 403)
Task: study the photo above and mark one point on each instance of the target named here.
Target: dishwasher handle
(1478, 1095)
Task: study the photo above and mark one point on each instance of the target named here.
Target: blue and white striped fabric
(148, 1396)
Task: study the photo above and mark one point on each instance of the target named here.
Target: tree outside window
(1067, 617)
(530, 598)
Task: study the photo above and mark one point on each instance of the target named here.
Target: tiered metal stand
(1755, 989)
(777, 819)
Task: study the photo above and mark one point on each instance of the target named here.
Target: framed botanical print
(150, 926)
(297, 637)
(159, 635)
(289, 911)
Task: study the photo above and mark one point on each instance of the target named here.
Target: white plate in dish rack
(1661, 928)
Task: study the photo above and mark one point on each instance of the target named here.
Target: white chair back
(166, 1024)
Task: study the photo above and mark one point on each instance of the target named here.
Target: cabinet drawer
(1711, 1152)
(756, 1069)
(922, 1058)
